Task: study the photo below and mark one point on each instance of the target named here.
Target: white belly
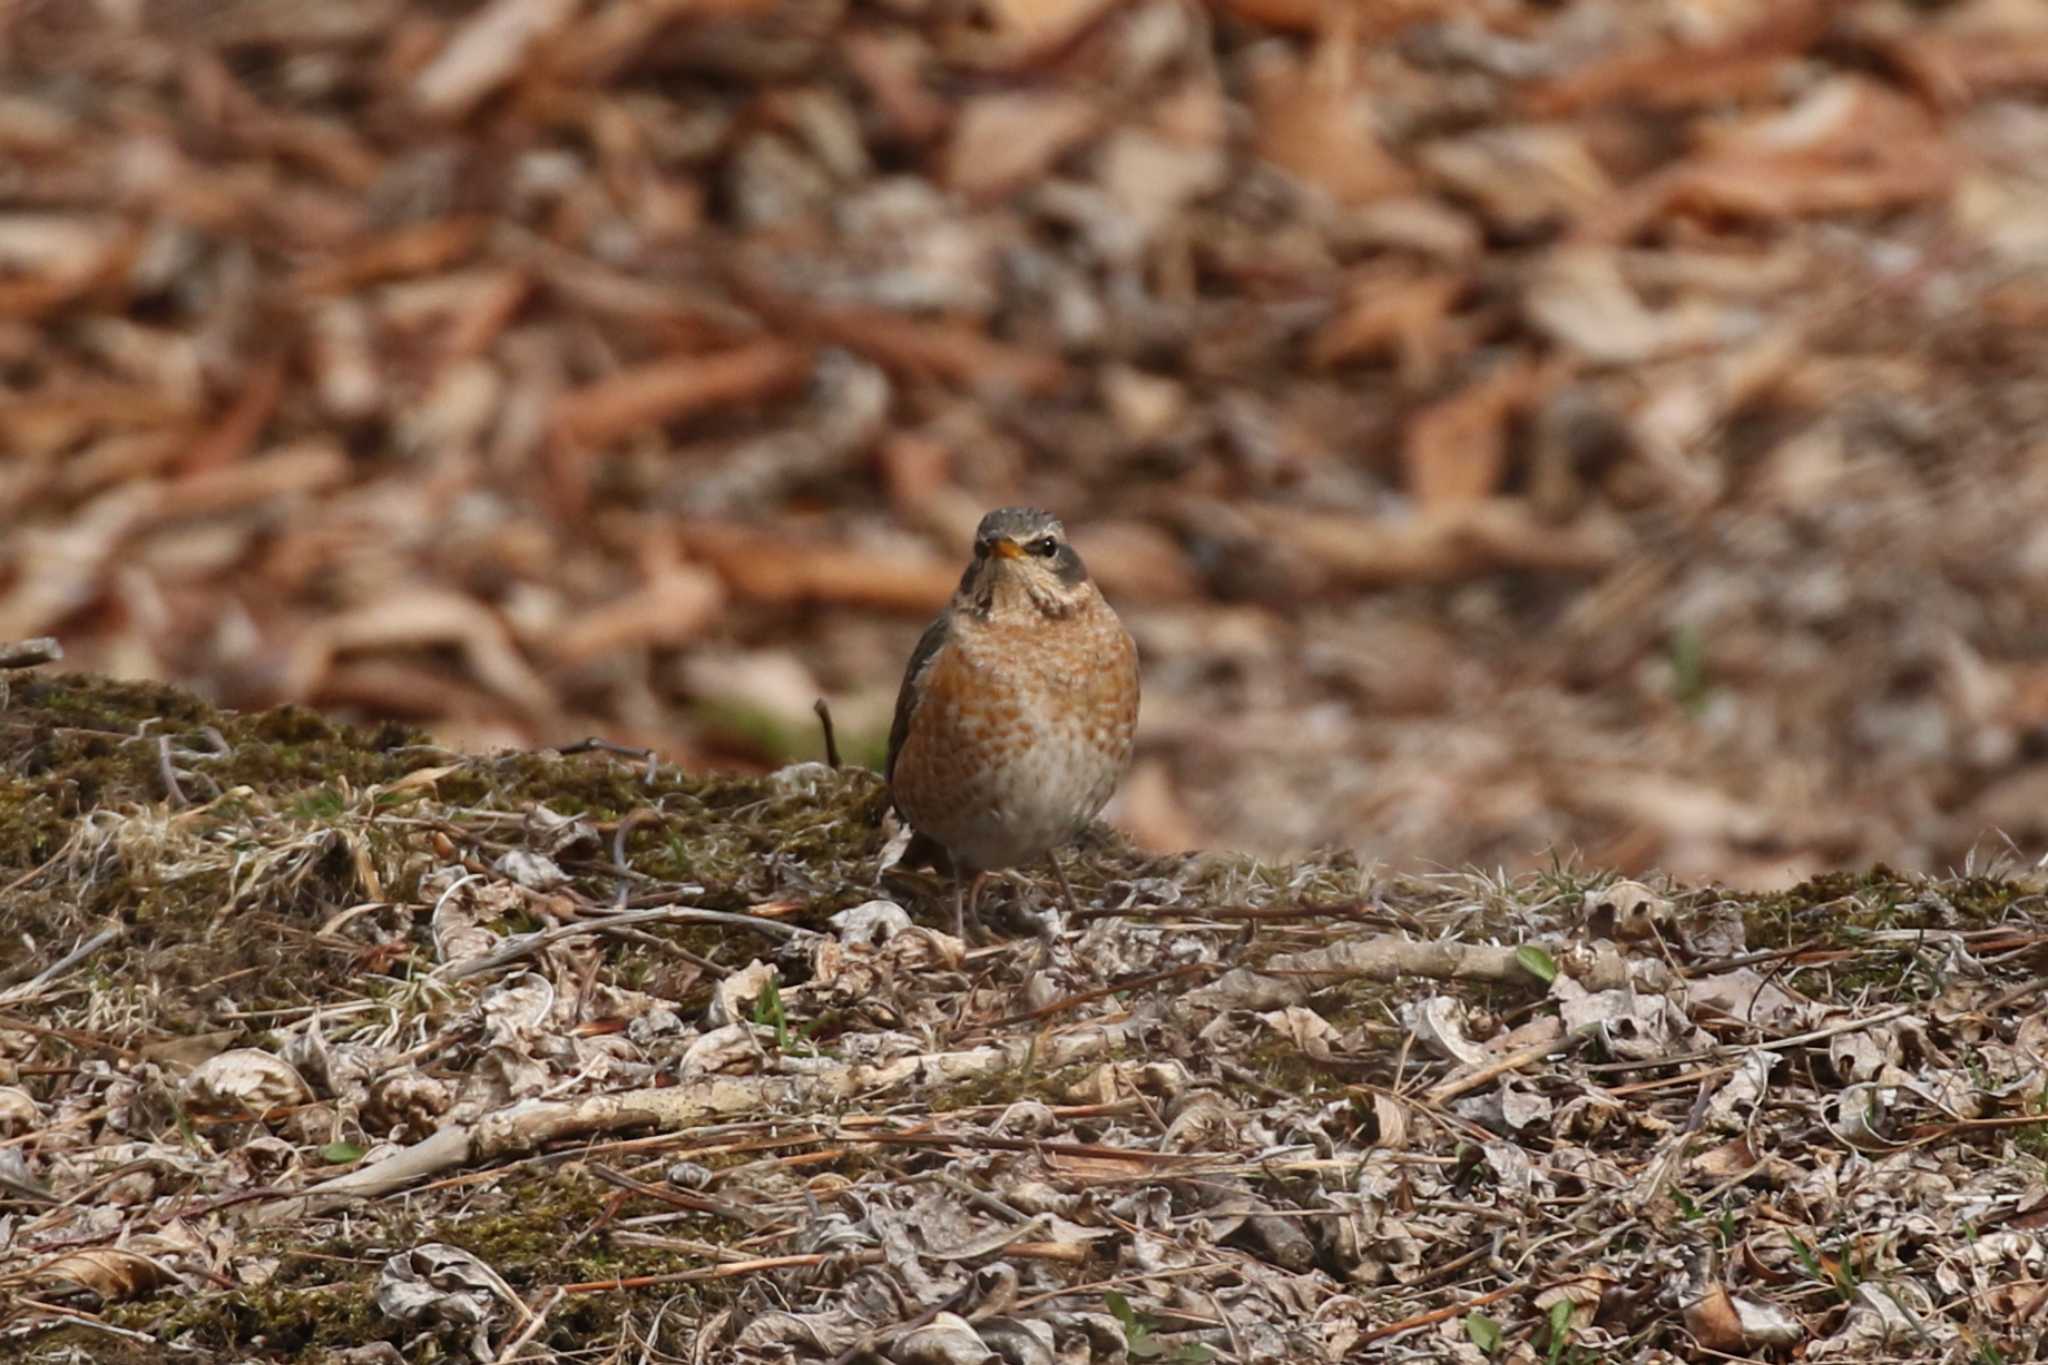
(1040, 798)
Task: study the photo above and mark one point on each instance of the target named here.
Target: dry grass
(536, 1056)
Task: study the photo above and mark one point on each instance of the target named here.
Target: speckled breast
(1021, 735)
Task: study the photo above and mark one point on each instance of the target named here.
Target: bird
(1018, 711)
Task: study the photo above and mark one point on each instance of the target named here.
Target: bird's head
(1022, 562)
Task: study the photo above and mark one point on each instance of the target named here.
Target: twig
(991, 1143)
(1455, 1086)
(539, 1316)
(831, 740)
(620, 863)
(1725, 1051)
(524, 944)
(1348, 911)
(1436, 1315)
(1068, 1002)
(871, 1341)
(594, 745)
(28, 989)
(2012, 997)
(692, 1202)
(1884, 1016)
(78, 1319)
(169, 771)
(730, 1269)
(42, 649)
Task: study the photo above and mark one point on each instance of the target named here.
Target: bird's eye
(1045, 547)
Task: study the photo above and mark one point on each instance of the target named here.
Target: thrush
(1015, 720)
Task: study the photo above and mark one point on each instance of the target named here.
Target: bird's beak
(1006, 548)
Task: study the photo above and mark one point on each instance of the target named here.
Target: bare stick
(1455, 1086)
(169, 771)
(537, 1317)
(42, 649)
(29, 989)
(525, 944)
(594, 745)
(831, 740)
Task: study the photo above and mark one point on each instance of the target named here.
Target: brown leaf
(888, 65)
(1316, 124)
(1953, 69)
(939, 349)
(1525, 178)
(1001, 141)
(239, 428)
(1135, 561)
(1749, 64)
(1849, 147)
(303, 467)
(1714, 1322)
(108, 1272)
(416, 618)
(914, 468)
(1404, 315)
(1455, 450)
(1152, 813)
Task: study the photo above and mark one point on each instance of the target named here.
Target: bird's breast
(1020, 737)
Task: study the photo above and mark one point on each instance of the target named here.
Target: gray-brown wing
(928, 646)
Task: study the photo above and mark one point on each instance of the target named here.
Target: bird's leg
(966, 901)
(1073, 906)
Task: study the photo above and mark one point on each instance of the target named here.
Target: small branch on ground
(831, 740)
(594, 745)
(43, 649)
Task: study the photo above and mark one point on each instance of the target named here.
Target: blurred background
(1611, 427)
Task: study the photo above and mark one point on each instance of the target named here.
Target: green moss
(285, 1320)
(1840, 909)
(72, 743)
(999, 1090)
(529, 1228)
(284, 818)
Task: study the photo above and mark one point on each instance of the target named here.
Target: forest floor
(1507, 427)
(338, 1046)
(1575, 473)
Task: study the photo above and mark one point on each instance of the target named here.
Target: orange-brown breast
(1020, 734)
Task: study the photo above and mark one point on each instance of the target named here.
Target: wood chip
(1453, 541)
(673, 607)
(769, 568)
(1000, 141)
(486, 52)
(676, 387)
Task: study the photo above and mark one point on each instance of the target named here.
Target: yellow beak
(1006, 549)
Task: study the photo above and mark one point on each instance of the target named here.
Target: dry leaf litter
(332, 1045)
(1610, 426)
(1504, 427)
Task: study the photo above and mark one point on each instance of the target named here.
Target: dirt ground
(1510, 429)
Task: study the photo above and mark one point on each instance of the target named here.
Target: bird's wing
(928, 646)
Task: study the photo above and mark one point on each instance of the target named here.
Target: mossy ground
(225, 889)
(283, 818)
(535, 1230)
